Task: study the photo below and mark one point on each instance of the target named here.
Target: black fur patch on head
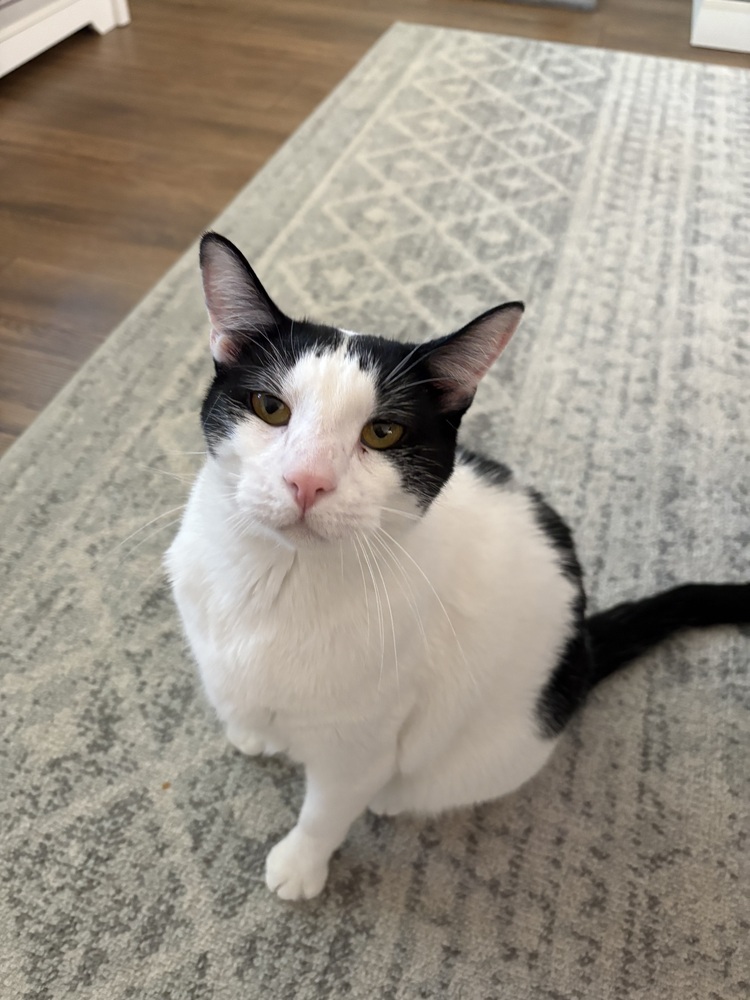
(263, 360)
(407, 395)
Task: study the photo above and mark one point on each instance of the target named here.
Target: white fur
(398, 658)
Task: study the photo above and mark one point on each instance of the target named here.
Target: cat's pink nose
(309, 487)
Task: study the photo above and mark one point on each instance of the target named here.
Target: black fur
(570, 682)
(494, 472)
(227, 400)
(624, 632)
(407, 394)
(559, 537)
(609, 640)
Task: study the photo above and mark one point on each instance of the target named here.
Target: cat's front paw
(295, 868)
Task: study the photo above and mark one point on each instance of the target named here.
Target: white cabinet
(28, 27)
(721, 24)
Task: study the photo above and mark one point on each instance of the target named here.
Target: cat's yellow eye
(270, 408)
(381, 434)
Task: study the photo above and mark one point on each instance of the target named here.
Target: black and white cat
(391, 610)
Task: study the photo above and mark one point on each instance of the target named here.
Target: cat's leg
(389, 800)
(252, 740)
(459, 779)
(245, 740)
(340, 784)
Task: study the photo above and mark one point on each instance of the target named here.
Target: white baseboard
(721, 24)
(28, 27)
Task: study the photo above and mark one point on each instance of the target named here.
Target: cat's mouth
(302, 530)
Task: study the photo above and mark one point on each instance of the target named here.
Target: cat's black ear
(238, 305)
(458, 362)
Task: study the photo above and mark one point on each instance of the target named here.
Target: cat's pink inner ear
(467, 356)
(223, 348)
(236, 301)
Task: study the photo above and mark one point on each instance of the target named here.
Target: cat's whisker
(403, 513)
(379, 607)
(203, 453)
(364, 585)
(216, 401)
(401, 371)
(271, 354)
(399, 367)
(239, 520)
(164, 472)
(411, 595)
(437, 598)
(144, 583)
(413, 385)
(143, 528)
(381, 612)
(129, 554)
(260, 334)
(390, 610)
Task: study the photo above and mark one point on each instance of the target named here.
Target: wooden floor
(116, 151)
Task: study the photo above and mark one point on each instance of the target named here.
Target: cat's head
(322, 433)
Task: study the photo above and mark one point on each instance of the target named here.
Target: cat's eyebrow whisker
(400, 370)
(396, 371)
(413, 385)
(258, 335)
(271, 351)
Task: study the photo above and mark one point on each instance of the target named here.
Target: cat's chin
(302, 533)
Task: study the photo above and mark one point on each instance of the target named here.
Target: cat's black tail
(622, 633)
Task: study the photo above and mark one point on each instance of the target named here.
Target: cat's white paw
(295, 868)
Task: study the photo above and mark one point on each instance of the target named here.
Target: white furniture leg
(28, 27)
(721, 24)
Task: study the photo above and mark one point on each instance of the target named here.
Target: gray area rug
(449, 172)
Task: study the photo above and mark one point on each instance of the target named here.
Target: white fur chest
(271, 629)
